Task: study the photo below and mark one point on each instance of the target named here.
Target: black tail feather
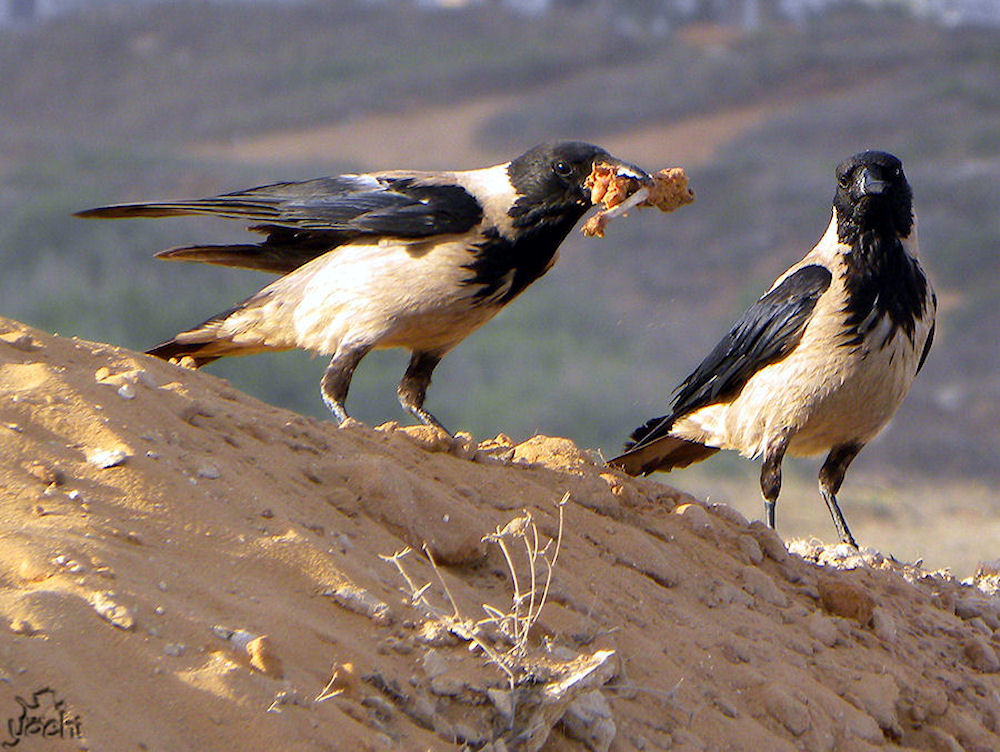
(173, 350)
(646, 430)
(221, 206)
(282, 251)
(665, 453)
(652, 448)
(199, 343)
(247, 256)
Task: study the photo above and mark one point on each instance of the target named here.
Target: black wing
(765, 333)
(927, 347)
(306, 219)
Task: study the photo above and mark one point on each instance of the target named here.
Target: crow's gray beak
(627, 170)
(869, 183)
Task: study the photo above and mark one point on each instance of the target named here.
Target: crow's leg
(770, 474)
(413, 387)
(337, 378)
(831, 475)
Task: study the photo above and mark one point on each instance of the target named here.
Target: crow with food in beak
(409, 259)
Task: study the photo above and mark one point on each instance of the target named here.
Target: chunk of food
(668, 190)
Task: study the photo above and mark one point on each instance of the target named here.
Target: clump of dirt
(184, 567)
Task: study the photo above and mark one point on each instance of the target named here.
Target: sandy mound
(185, 568)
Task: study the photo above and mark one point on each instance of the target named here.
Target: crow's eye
(562, 169)
(844, 180)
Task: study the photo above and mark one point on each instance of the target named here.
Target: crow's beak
(627, 170)
(869, 183)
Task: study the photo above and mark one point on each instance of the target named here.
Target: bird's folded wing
(765, 333)
(306, 219)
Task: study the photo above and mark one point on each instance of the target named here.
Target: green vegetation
(100, 108)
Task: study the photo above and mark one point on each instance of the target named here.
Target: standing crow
(389, 259)
(821, 362)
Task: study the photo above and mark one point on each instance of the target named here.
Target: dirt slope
(186, 568)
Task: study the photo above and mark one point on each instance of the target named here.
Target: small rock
(395, 644)
(428, 438)
(283, 698)
(360, 601)
(736, 651)
(683, 739)
(970, 607)
(147, 378)
(464, 446)
(769, 540)
(423, 711)
(757, 582)
(981, 626)
(208, 470)
(725, 593)
(257, 647)
(33, 568)
(493, 454)
(750, 548)
(110, 610)
(20, 341)
(697, 518)
(942, 741)
(845, 599)
(553, 453)
(436, 634)
(878, 695)
(931, 699)
(126, 391)
(884, 625)
(981, 656)
(264, 658)
(822, 628)
(70, 565)
(588, 719)
(624, 491)
(22, 627)
(785, 709)
(194, 410)
(501, 699)
(435, 664)
(447, 686)
(105, 458)
(726, 708)
(465, 734)
(730, 514)
(46, 474)
(173, 649)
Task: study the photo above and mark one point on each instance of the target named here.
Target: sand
(183, 567)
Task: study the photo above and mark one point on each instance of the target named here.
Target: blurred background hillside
(109, 101)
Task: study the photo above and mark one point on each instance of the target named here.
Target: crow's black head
(872, 196)
(874, 210)
(549, 180)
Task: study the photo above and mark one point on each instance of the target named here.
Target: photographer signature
(45, 716)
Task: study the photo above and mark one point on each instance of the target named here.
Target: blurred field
(189, 99)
